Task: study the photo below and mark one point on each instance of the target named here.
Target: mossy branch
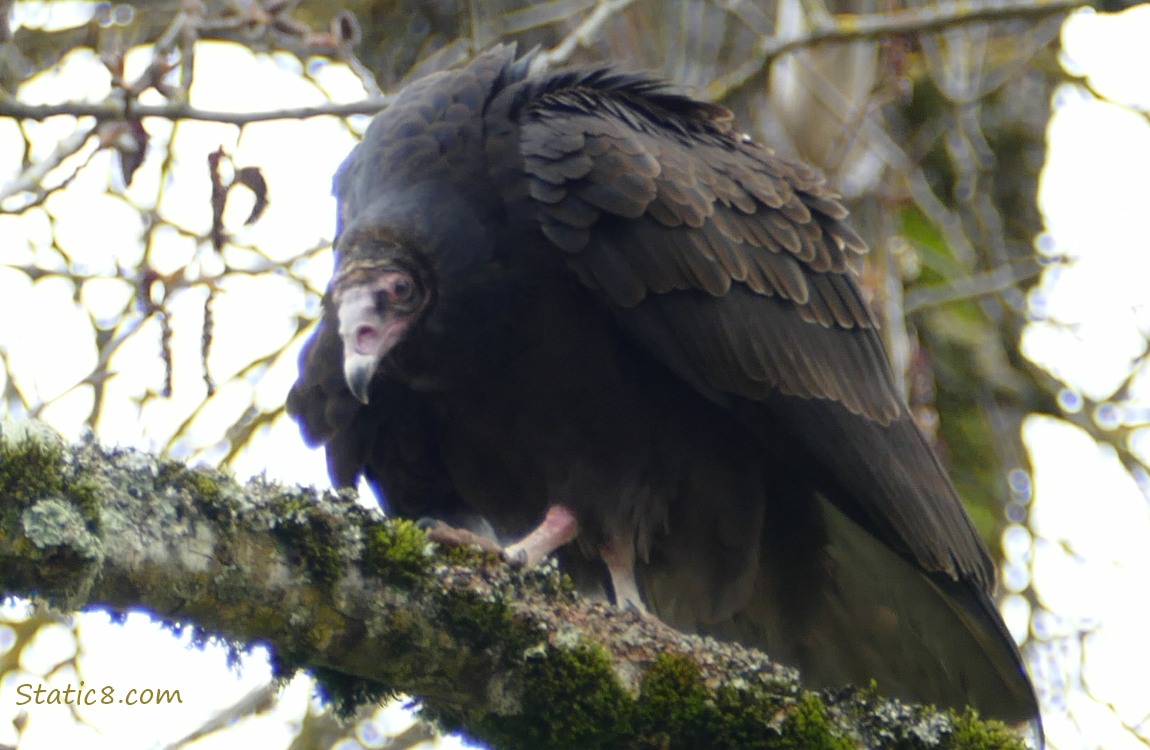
(513, 659)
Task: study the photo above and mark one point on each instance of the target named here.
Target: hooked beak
(368, 335)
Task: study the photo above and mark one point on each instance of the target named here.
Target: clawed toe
(453, 536)
(516, 558)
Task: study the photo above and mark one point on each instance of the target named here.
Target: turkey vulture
(583, 310)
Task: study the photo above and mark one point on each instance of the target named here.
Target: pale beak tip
(358, 376)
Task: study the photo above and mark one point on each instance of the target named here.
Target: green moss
(202, 485)
(465, 555)
(396, 550)
(86, 494)
(311, 538)
(973, 733)
(807, 727)
(741, 716)
(30, 469)
(674, 707)
(596, 711)
(676, 710)
(347, 693)
(33, 470)
(308, 532)
(484, 622)
(907, 726)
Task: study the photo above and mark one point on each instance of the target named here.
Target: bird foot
(559, 526)
(639, 613)
(515, 558)
(636, 608)
(453, 536)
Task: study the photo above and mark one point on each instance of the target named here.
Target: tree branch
(999, 280)
(581, 36)
(845, 28)
(119, 110)
(31, 180)
(858, 27)
(514, 659)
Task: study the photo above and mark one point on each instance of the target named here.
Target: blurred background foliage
(929, 117)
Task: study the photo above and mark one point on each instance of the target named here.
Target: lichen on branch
(512, 658)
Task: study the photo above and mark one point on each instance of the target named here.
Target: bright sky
(1092, 561)
(1092, 521)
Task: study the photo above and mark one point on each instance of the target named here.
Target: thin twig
(991, 282)
(851, 27)
(946, 220)
(31, 180)
(114, 110)
(580, 36)
(416, 734)
(257, 701)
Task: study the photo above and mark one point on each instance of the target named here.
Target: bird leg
(559, 526)
(620, 560)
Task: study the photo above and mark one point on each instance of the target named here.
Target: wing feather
(733, 265)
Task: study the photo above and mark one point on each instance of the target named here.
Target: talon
(515, 558)
(451, 536)
(636, 608)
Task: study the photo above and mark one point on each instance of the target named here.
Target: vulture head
(377, 299)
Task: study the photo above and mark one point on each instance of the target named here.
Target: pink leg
(620, 561)
(559, 527)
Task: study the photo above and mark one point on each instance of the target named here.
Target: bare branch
(258, 700)
(581, 36)
(999, 280)
(852, 27)
(118, 110)
(845, 28)
(32, 179)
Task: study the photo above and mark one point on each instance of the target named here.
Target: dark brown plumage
(580, 299)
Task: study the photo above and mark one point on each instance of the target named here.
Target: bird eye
(402, 290)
